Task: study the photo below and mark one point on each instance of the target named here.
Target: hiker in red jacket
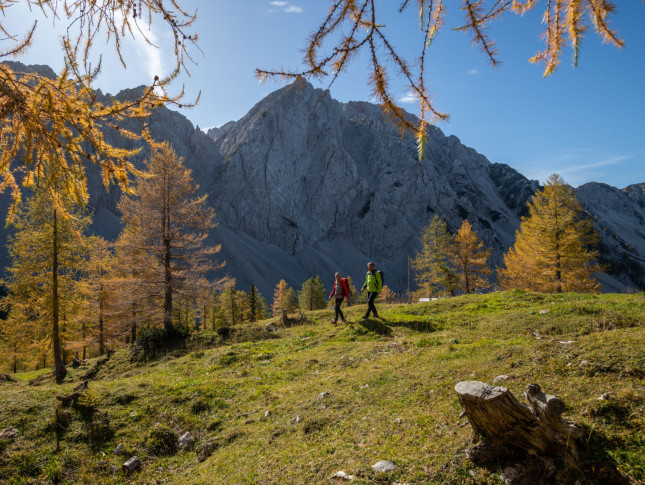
(339, 291)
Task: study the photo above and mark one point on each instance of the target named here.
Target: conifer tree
(234, 305)
(48, 255)
(552, 251)
(433, 271)
(290, 302)
(279, 293)
(51, 127)
(253, 303)
(386, 293)
(470, 259)
(97, 288)
(170, 223)
(133, 285)
(312, 295)
(257, 305)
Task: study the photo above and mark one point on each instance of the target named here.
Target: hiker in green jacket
(374, 286)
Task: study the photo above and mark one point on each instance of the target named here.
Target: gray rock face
(304, 185)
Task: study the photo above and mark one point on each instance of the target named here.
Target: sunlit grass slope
(299, 404)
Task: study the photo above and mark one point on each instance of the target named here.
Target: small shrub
(152, 342)
(162, 441)
(199, 405)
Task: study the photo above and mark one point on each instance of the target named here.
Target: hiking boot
(365, 317)
(334, 322)
(343, 320)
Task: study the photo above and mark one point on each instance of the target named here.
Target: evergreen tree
(229, 303)
(433, 271)
(312, 295)
(552, 251)
(170, 223)
(253, 303)
(48, 255)
(470, 258)
(290, 302)
(257, 305)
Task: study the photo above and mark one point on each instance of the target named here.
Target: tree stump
(508, 427)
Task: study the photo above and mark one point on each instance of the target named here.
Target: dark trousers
(339, 312)
(371, 296)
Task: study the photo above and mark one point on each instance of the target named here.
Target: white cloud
(148, 51)
(575, 175)
(409, 97)
(603, 163)
(284, 7)
(473, 72)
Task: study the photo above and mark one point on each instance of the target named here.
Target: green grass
(255, 398)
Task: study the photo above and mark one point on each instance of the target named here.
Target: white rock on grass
(118, 450)
(185, 441)
(341, 475)
(501, 378)
(322, 396)
(384, 466)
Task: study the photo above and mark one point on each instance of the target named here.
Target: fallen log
(505, 427)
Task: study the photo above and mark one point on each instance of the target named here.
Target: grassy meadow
(302, 403)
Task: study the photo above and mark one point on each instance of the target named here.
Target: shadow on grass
(604, 459)
(376, 327)
(416, 325)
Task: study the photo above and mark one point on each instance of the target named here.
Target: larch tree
(167, 221)
(470, 258)
(97, 287)
(553, 246)
(312, 295)
(279, 294)
(48, 255)
(386, 293)
(434, 273)
(54, 126)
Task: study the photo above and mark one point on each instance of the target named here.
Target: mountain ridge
(304, 185)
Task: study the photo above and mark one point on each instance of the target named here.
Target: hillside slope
(300, 404)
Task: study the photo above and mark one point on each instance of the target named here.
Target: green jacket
(373, 282)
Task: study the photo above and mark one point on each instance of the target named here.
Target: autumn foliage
(553, 246)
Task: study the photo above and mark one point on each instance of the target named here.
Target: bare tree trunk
(59, 366)
(101, 335)
(167, 304)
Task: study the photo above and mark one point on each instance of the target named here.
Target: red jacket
(344, 284)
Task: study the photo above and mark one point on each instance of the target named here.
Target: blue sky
(585, 124)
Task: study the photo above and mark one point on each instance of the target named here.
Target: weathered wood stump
(300, 319)
(509, 429)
